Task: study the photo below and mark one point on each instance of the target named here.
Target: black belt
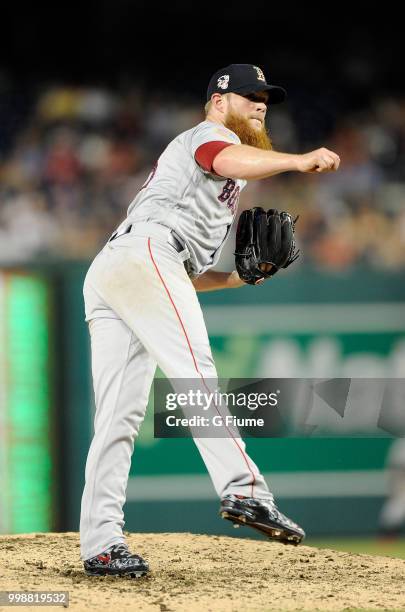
(172, 239)
(117, 235)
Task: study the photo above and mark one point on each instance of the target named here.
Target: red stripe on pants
(195, 362)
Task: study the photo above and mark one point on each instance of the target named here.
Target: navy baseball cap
(244, 79)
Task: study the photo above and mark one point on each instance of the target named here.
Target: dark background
(341, 66)
(317, 48)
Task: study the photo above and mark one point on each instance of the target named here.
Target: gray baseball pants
(143, 311)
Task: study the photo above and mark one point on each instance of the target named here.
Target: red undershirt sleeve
(207, 152)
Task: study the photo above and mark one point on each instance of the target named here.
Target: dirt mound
(206, 573)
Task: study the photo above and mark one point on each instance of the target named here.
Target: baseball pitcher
(142, 308)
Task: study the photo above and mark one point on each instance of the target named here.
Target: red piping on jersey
(195, 362)
(207, 152)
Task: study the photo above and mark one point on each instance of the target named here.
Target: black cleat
(263, 515)
(116, 561)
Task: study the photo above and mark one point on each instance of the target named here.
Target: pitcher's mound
(206, 573)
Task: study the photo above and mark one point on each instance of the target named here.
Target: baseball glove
(264, 238)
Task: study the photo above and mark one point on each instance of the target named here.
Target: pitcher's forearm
(246, 162)
(212, 281)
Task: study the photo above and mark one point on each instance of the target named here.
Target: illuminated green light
(29, 461)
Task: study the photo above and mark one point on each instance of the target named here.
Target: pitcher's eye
(254, 97)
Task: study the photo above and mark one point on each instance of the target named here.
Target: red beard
(247, 134)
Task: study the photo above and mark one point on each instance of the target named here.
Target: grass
(368, 546)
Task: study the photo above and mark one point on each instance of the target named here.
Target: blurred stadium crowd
(73, 164)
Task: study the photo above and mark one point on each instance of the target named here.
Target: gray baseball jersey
(197, 204)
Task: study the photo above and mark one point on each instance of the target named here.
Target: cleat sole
(273, 534)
